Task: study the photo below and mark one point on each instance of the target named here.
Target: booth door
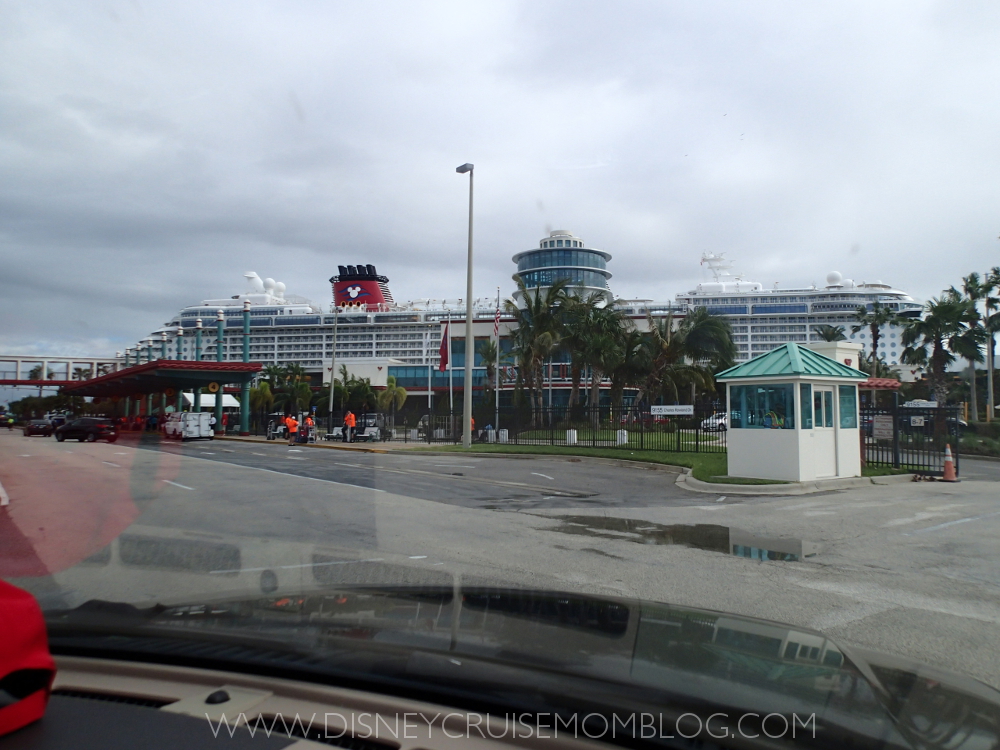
(825, 443)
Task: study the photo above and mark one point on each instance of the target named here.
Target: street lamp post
(333, 366)
(220, 339)
(470, 341)
(197, 357)
(245, 387)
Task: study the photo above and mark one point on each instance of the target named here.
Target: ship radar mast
(718, 264)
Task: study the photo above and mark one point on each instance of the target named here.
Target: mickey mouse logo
(356, 291)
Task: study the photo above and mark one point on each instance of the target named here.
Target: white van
(189, 426)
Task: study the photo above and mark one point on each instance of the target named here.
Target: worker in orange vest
(293, 429)
(350, 421)
(309, 425)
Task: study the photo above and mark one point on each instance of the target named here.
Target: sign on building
(674, 409)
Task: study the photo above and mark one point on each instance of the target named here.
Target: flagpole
(496, 327)
(451, 380)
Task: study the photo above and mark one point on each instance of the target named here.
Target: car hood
(513, 649)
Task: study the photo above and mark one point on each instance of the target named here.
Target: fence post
(697, 438)
(895, 436)
(642, 431)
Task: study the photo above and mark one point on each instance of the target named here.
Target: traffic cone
(949, 465)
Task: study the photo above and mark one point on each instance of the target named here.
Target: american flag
(496, 324)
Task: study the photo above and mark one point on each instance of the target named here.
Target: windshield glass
(696, 351)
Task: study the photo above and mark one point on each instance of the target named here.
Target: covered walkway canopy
(163, 374)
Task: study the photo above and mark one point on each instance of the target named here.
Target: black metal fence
(628, 428)
(913, 438)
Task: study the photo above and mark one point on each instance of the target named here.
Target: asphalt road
(905, 568)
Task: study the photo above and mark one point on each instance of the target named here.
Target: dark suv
(38, 427)
(90, 429)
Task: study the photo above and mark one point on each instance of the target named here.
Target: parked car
(716, 423)
(90, 429)
(38, 427)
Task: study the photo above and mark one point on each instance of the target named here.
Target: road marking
(952, 523)
(117, 466)
(290, 567)
(25, 455)
(121, 454)
(441, 563)
(4, 497)
(418, 557)
(182, 486)
(209, 453)
(294, 450)
(535, 473)
(258, 454)
(719, 500)
(226, 450)
(915, 518)
(295, 458)
(708, 507)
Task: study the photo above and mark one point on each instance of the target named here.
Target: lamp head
(464, 168)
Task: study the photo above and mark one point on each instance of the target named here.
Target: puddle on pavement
(705, 536)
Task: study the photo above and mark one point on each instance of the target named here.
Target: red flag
(444, 349)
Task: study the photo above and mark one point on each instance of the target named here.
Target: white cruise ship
(402, 340)
(763, 319)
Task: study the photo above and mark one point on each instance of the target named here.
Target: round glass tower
(562, 255)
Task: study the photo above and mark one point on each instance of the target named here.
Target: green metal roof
(791, 359)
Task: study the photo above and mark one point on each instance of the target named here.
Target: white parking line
(257, 454)
(294, 450)
(182, 486)
(418, 557)
(952, 523)
(295, 458)
(121, 454)
(720, 499)
(25, 455)
(117, 466)
(535, 473)
(4, 497)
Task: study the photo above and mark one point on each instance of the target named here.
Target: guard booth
(793, 415)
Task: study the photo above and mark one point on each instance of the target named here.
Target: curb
(622, 462)
(307, 445)
(688, 482)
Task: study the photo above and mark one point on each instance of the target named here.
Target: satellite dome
(268, 285)
(833, 278)
(279, 289)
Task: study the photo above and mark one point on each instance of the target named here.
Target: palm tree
(81, 373)
(538, 332)
(708, 339)
(603, 339)
(935, 339)
(977, 290)
(577, 311)
(35, 373)
(392, 398)
(829, 333)
(671, 364)
(261, 397)
(873, 320)
(991, 322)
(632, 366)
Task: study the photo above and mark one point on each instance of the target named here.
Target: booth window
(848, 406)
(805, 405)
(762, 407)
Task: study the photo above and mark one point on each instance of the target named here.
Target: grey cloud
(156, 152)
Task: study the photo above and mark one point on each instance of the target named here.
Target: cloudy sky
(152, 152)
